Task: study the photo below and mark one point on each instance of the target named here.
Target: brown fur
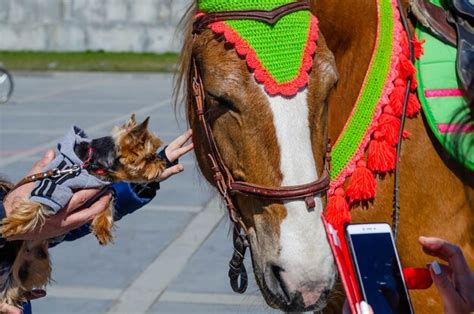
(436, 194)
(137, 163)
(244, 132)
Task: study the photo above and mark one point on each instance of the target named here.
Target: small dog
(130, 155)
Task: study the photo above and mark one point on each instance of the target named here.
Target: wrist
(162, 154)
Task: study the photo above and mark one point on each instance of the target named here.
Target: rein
(227, 186)
(396, 189)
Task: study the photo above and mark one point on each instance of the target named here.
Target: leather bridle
(227, 186)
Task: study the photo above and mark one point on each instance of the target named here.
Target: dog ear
(142, 128)
(132, 122)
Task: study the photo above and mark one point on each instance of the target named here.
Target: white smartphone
(378, 268)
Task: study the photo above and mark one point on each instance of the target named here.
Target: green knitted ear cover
(279, 49)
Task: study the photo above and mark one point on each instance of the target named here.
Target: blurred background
(93, 63)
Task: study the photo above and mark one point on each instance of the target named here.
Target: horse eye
(222, 102)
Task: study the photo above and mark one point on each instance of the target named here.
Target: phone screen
(379, 273)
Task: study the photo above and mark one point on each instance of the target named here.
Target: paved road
(170, 257)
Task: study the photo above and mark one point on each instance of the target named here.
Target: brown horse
(277, 141)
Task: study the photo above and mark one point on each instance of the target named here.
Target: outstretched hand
(175, 150)
(455, 281)
(66, 219)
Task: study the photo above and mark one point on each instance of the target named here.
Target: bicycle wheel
(6, 86)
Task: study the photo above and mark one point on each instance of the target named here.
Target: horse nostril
(276, 271)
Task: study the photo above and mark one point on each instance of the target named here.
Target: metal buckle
(60, 172)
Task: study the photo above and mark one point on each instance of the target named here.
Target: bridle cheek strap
(225, 182)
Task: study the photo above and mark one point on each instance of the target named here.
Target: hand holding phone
(377, 267)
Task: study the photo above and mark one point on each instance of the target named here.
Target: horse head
(272, 139)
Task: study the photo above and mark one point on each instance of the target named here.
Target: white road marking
(172, 208)
(92, 293)
(213, 298)
(83, 293)
(151, 284)
(95, 82)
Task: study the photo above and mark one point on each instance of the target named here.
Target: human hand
(362, 308)
(175, 150)
(32, 295)
(67, 219)
(455, 281)
(9, 309)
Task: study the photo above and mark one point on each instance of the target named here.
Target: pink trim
(452, 92)
(384, 100)
(261, 74)
(455, 128)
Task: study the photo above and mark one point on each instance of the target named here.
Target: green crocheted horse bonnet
(279, 55)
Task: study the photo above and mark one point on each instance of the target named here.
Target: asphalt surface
(169, 257)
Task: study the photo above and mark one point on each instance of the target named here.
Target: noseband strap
(223, 178)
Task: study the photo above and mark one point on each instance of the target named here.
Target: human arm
(130, 197)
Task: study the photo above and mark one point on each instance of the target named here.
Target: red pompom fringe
(362, 184)
(381, 156)
(337, 211)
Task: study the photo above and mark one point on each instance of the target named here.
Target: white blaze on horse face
(305, 255)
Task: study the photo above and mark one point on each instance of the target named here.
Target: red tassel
(417, 278)
(381, 155)
(418, 47)
(389, 126)
(413, 106)
(397, 97)
(405, 67)
(404, 44)
(362, 184)
(337, 211)
(414, 84)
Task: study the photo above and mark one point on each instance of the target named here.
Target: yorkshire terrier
(129, 154)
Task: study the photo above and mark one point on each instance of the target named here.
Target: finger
(448, 252)
(346, 309)
(9, 309)
(365, 308)
(40, 165)
(171, 172)
(181, 140)
(79, 199)
(86, 215)
(183, 151)
(444, 285)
